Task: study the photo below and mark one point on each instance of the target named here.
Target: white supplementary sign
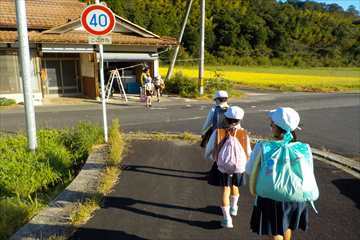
(98, 20)
(99, 40)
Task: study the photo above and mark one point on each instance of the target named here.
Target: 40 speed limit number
(98, 20)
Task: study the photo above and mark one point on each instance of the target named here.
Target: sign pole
(99, 20)
(26, 74)
(102, 84)
(202, 49)
(101, 50)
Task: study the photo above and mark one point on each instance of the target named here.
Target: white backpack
(232, 157)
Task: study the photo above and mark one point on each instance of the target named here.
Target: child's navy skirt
(217, 178)
(271, 217)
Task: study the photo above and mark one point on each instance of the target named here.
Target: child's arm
(210, 147)
(250, 163)
(208, 122)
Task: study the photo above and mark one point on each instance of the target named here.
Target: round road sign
(98, 20)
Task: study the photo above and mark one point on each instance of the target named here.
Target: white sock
(234, 201)
(226, 212)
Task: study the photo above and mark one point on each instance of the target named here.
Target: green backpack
(286, 172)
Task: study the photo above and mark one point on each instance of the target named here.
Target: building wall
(88, 76)
(10, 79)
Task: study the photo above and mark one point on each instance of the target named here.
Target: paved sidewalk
(162, 194)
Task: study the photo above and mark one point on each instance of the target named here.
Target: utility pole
(202, 49)
(173, 60)
(24, 54)
(102, 84)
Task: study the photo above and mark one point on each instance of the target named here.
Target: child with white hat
(215, 117)
(229, 148)
(271, 217)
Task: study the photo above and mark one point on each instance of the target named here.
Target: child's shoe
(233, 211)
(227, 223)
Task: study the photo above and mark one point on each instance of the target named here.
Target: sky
(343, 3)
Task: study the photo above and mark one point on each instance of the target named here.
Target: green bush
(217, 83)
(6, 101)
(80, 139)
(24, 175)
(188, 87)
(184, 86)
(59, 153)
(14, 214)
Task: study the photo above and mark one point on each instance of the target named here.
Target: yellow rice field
(324, 80)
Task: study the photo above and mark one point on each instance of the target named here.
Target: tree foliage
(250, 32)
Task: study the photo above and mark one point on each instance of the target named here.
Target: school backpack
(232, 157)
(218, 120)
(286, 172)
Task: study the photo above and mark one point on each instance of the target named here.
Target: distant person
(144, 75)
(143, 79)
(229, 148)
(275, 182)
(215, 117)
(149, 90)
(159, 87)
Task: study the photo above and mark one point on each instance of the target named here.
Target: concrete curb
(54, 220)
(346, 164)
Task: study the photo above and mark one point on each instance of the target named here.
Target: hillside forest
(255, 32)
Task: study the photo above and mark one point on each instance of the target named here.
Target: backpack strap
(221, 135)
(242, 136)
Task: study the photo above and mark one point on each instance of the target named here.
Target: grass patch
(6, 102)
(109, 178)
(83, 211)
(281, 78)
(159, 136)
(116, 143)
(55, 237)
(29, 180)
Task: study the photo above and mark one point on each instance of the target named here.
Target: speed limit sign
(98, 20)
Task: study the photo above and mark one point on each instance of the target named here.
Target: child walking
(215, 117)
(272, 216)
(229, 148)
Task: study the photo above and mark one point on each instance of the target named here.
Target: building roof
(75, 37)
(57, 21)
(41, 14)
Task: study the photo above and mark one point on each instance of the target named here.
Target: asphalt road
(330, 121)
(162, 194)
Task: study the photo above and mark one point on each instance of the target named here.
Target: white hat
(221, 94)
(234, 112)
(285, 117)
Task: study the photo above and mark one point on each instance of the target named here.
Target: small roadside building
(62, 61)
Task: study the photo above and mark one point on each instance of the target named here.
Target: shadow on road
(127, 204)
(349, 188)
(163, 172)
(96, 234)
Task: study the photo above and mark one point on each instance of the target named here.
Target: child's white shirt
(250, 163)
